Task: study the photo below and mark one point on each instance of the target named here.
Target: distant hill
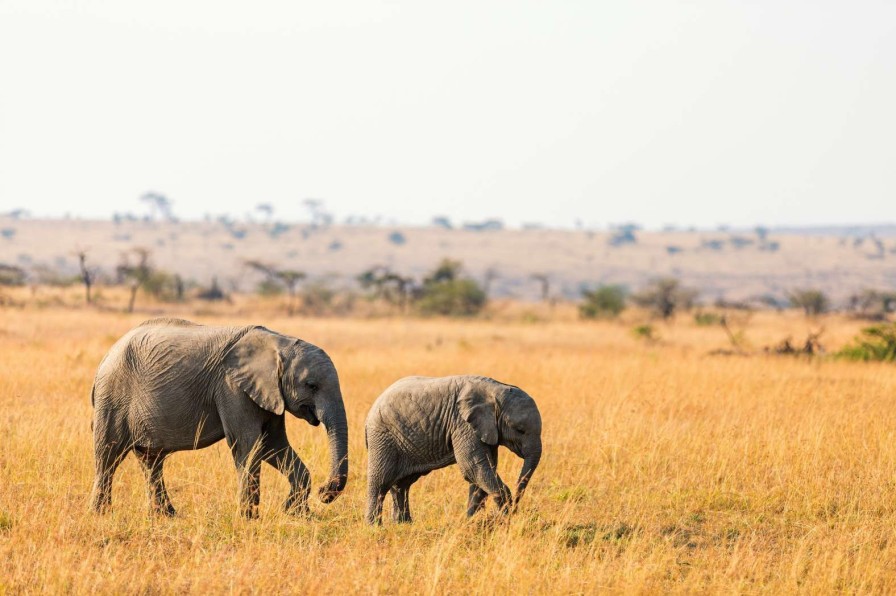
(878, 230)
(733, 265)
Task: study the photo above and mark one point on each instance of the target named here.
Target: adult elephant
(421, 424)
(171, 385)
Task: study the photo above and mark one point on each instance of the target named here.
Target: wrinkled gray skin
(421, 424)
(171, 385)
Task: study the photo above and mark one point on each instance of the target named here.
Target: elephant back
(168, 322)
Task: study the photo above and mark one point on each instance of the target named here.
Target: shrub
(212, 293)
(47, 276)
(317, 298)
(162, 285)
(382, 283)
(445, 292)
(876, 343)
(623, 236)
(813, 302)
(456, 297)
(645, 332)
(665, 296)
(707, 319)
(603, 302)
(277, 230)
(10, 275)
(270, 287)
(873, 305)
(442, 222)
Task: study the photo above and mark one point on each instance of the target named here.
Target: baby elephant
(421, 424)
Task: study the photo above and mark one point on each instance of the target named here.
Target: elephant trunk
(337, 435)
(530, 462)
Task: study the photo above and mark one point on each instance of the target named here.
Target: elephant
(420, 424)
(172, 385)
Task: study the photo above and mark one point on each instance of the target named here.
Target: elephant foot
(101, 508)
(504, 500)
(296, 506)
(249, 512)
(101, 504)
(165, 510)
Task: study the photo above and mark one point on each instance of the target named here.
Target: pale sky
(705, 112)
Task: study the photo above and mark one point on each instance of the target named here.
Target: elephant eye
(522, 431)
(311, 386)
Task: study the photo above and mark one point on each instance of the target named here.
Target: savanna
(671, 463)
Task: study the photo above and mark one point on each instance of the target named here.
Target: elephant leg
(152, 462)
(280, 454)
(475, 500)
(246, 456)
(109, 450)
(377, 487)
(479, 465)
(401, 505)
(376, 494)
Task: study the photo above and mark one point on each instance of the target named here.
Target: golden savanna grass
(665, 468)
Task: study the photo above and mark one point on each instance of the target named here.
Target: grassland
(665, 468)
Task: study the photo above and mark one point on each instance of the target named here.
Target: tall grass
(665, 469)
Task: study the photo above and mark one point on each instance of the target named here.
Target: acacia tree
(665, 297)
(265, 209)
(134, 275)
(387, 285)
(288, 278)
(545, 284)
(159, 204)
(491, 274)
(86, 274)
(813, 302)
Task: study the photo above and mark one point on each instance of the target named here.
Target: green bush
(445, 292)
(455, 297)
(603, 302)
(270, 287)
(873, 305)
(665, 296)
(812, 302)
(162, 285)
(876, 343)
(707, 319)
(11, 275)
(645, 332)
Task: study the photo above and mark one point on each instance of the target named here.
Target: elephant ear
(478, 408)
(253, 364)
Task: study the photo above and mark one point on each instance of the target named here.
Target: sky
(701, 113)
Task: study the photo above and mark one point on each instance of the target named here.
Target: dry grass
(665, 469)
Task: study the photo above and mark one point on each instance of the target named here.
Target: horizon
(248, 218)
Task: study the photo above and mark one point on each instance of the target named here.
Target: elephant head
(282, 373)
(505, 415)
